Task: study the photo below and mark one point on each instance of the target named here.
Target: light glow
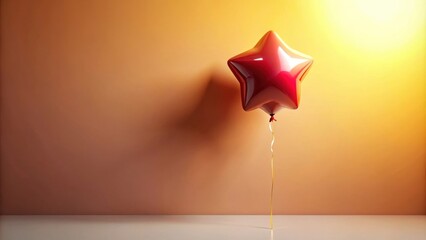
(377, 24)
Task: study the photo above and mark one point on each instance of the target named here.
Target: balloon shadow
(216, 112)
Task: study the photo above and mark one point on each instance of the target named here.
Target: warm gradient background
(128, 107)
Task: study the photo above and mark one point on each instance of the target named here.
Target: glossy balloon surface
(270, 74)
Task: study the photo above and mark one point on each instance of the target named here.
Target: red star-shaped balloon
(270, 74)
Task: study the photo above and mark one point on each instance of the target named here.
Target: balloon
(270, 75)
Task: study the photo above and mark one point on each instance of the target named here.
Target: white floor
(212, 227)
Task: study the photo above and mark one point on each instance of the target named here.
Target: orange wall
(128, 107)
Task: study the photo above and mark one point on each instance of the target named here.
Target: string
(271, 220)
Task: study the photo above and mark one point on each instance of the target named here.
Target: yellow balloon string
(271, 220)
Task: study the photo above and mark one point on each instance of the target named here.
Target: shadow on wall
(176, 165)
(215, 113)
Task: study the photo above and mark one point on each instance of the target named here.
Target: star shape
(270, 74)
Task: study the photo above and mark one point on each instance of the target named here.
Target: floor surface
(241, 227)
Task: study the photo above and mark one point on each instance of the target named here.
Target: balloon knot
(272, 117)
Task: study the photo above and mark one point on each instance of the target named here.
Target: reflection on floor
(212, 227)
